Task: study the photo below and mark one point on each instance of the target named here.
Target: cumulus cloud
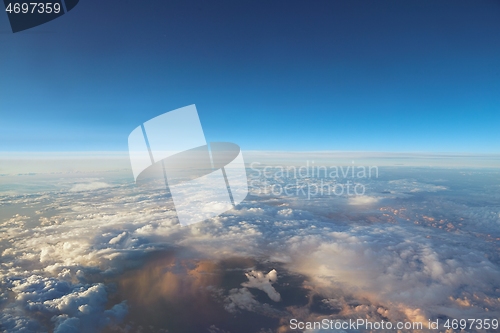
(118, 238)
(362, 200)
(262, 281)
(74, 308)
(240, 298)
(397, 258)
(412, 185)
(88, 186)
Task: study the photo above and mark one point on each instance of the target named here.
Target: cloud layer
(415, 248)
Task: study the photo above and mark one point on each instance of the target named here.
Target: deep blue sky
(268, 75)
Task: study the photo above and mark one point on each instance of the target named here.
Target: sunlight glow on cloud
(374, 256)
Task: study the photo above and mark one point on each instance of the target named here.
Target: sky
(395, 76)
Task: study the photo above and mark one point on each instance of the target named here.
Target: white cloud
(397, 267)
(240, 298)
(262, 281)
(118, 238)
(88, 186)
(362, 200)
(77, 308)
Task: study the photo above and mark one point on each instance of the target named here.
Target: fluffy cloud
(74, 308)
(362, 200)
(88, 186)
(242, 298)
(262, 281)
(411, 250)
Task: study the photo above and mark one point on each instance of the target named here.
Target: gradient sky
(268, 75)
